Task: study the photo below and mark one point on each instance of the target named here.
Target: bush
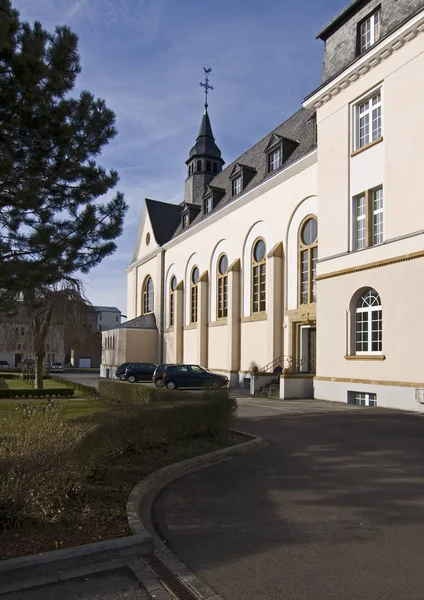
(132, 427)
(39, 464)
(125, 393)
(10, 375)
(33, 393)
(81, 387)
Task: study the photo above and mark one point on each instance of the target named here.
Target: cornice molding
(381, 52)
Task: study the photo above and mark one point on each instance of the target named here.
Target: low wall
(296, 386)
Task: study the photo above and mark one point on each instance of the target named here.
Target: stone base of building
(296, 386)
(400, 397)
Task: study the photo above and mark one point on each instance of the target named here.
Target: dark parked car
(139, 372)
(120, 371)
(158, 374)
(4, 365)
(194, 376)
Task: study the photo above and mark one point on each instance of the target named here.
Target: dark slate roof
(205, 142)
(300, 127)
(346, 13)
(165, 218)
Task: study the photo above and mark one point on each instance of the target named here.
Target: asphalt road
(332, 509)
(85, 378)
(115, 585)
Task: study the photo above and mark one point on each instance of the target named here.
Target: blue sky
(145, 58)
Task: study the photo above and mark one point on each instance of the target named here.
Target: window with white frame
(368, 323)
(367, 120)
(370, 30)
(194, 294)
(237, 185)
(368, 219)
(362, 398)
(274, 160)
(308, 257)
(222, 287)
(148, 296)
(259, 276)
(208, 205)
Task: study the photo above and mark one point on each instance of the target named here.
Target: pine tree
(52, 225)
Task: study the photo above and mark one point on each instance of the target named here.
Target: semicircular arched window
(194, 294)
(259, 276)
(148, 296)
(222, 286)
(368, 323)
(308, 256)
(172, 286)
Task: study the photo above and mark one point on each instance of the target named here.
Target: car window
(196, 369)
(182, 369)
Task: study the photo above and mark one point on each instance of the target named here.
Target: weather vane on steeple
(206, 86)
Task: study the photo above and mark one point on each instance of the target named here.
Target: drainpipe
(162, 305)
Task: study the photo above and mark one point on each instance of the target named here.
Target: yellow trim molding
(373, 265)
(203, 277)
(409, 384)
(218, 323)
(191, 326)
(179, 286)
(276, 251)
(370, 145)
(259, 316)
(169, 330)
(235, 266)
(365, 357)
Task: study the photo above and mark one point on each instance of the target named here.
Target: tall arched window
(222, 286)
(308, 256)
(259, 276)
(208, 165)
(194, 294)
(148, 296)
(199, 165)
(172, 287)
(368, 323)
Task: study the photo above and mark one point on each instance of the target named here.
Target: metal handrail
(287, 364)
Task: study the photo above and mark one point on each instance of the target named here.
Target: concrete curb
(142, 497)
(48, 567)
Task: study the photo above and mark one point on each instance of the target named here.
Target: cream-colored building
(236, 277)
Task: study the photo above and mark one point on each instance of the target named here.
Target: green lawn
(19, 384)
(71, 408)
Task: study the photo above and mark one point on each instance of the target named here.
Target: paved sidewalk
(332, 508)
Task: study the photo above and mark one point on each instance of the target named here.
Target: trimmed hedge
(126, 393)
(88, 389)
(10, 375)
(30, 393)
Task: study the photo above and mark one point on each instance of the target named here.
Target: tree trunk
(39, 370)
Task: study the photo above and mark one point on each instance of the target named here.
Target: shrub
(10, 375)
(81, 387)
(125, 393)
(33, 393)
(39, 466)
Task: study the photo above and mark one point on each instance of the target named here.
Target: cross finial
(206, 85)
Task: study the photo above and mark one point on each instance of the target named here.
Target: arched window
(194, 294)
(259, 276)
(148, 296)
(199, 165)
(222, 286)
(215, 168)
(368, 323)
(308, 256)
(208, 166)
(172, 287)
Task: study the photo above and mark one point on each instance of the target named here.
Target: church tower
(204, 161)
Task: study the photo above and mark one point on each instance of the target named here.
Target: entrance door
(312, 349)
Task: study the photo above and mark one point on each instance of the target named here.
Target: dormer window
(370, 31)
(208, 205)
(274, 160)
(186, 220)
(237, 185)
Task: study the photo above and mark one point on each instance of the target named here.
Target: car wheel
(159, 382)
(171, 385)
(132, 379)
(122, 377)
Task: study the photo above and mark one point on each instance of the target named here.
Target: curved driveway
(332, 508)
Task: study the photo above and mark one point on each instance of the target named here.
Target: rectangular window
(194, 297)
(237, 185)
(259, 291)
(367, 117)
(274, 160)
(171, 310)
(368, 219)
(304, 277)
(362, 399)
(185, 221)
(208, 205)
(370, 30)
(222, 297)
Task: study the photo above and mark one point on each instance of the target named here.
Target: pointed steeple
(204, 161)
